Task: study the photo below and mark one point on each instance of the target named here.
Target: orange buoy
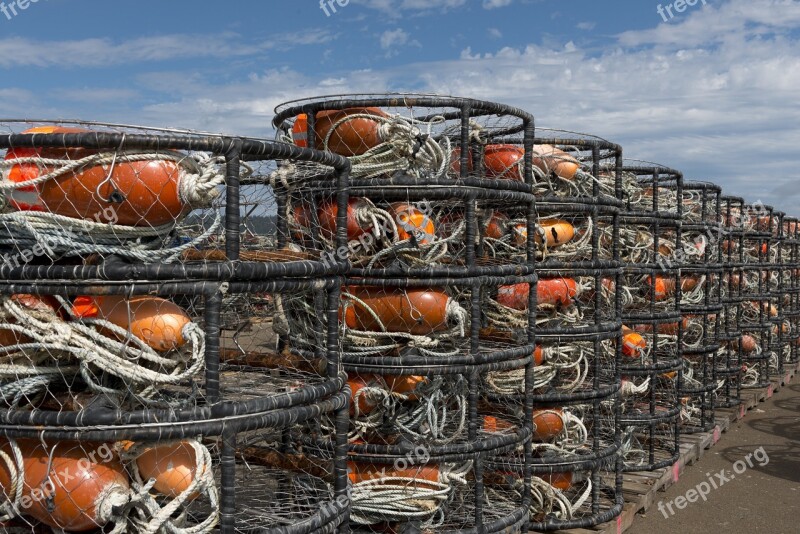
(554, 160)
(538, 355)
(561, 481)
(350, 138)
(662, 286)
(157, 322)
(416, 311)
(133, 193)
(359, 472)
(493, 425)
(669, 329)
(556, 232)
(552, 291)
(556, 291)
(748, 343)
(173, 466)
(504, 162)
(357, 383)
(411, 221)
(547, 424)
(71, 486)
(405, 384)
(328, 211)
(497, 226)
(632, 343)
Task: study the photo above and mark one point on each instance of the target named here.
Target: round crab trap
(436, 313)
(779, 280)
(757, 311)
(182, 406)
(790, 281)
(435, 190)
(652, 289)
(83, 200)
(701, 306)
(729, 368)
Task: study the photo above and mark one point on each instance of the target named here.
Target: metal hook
(115, 197)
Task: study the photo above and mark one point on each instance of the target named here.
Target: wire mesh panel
(701, 306)
(652, 290)
(576, 435)
(436, 315)
(95, 201)
(183, 403)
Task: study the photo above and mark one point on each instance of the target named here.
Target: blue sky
(712, 91)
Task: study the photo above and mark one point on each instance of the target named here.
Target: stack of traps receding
(408, 314)
(165, 356)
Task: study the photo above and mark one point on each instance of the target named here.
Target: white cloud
(494, 33)
(393, 7)
(18, 51)
(393, 38)
(493, 4)
(588, 26)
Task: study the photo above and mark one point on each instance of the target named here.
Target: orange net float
(126, 189)
(633, 344)
(329, 211)
(159, 323)
(410, 221)
(547, 424)
(550, 159)
(669, 329)
(550, 291)
(404, 386)
(505, 162)
(360, 472)
(497, 226)
(662, 287)
(378, 309)
(63, 486)
(556, 232)
(337, 132)
(174, 469)
(560, 481)
(747, 343)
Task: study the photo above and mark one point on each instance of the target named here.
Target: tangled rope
(393, 498)
(405, 147)
(90, 354)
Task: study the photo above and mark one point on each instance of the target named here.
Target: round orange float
(350, 138)
(69, 485)
(157, 322)
(133, 193)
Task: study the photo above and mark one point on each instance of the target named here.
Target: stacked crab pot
(779, 279)
(729, 367)
(575, 480)
(653, 328)
(790, 287)
(436, 313)
(165, 351)
(701, 275)
(758, 341)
